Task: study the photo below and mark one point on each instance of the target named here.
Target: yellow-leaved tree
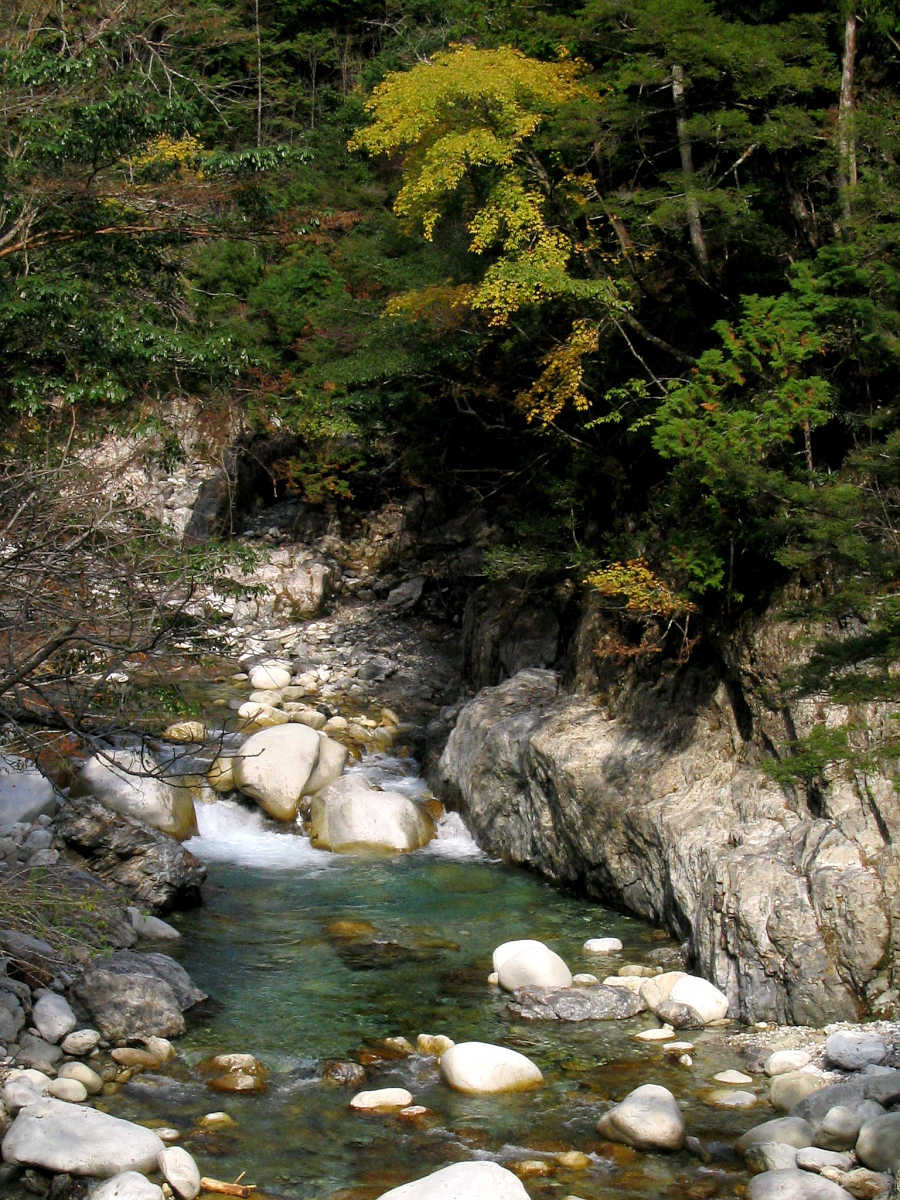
(463, 122)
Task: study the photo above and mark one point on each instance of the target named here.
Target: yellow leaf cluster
(562, 377)
(642, 592)
(165, 150)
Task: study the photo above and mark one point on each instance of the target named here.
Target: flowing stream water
(309, 956)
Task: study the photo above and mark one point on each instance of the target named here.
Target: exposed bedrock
(659, 807)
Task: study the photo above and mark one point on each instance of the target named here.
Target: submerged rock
(597, 1003)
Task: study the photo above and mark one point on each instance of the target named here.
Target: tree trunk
(845, 132)
(698, 241)
(259, 78)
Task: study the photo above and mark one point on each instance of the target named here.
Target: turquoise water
(309, 956)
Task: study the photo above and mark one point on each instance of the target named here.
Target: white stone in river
(349, 814)
(789, 1089)
(69, 1138)
(145, 925)
(82, 1041)
(732, 1077)
(631, 983)
(269, 676)
(381, 1099)
(658, 988)
(604, 945)
(648, 1119)
(480, 1068)
(678, 1047)
(732, 1099)
(528, 963)
(274, 765)
(462, 1181)
(180, 1172)
(702, 996)
(663, 1034)
(780, 1062)
(585, 979)
(68, 1089)
(128, 1185)
(53, 1017)
(83, 1074)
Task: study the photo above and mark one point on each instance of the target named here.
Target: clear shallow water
(309, 956)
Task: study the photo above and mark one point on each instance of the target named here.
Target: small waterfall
(232, 832)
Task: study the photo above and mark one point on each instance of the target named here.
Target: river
(309, 956)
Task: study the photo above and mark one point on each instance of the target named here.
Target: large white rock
(269, 676)
(122, 781)
(462, 1181)
(53, 1017)
(329, 765)
(274, 766)
(63, 1137)
(180, 1172)
(527, 963)
(128, 1185)
(702, 996)
(480, 1068)
(349, 814)
(25, 794)
(648, 1119)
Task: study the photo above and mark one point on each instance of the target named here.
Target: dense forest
(623, 273)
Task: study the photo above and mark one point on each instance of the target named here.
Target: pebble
(647, 1119)
(655, 1035)
(787, 1090)
(381, 1100)
(68, 1089)
(732, 1077)
(602, 945)
(81, 1072)
(585, 979)
(735, 1099)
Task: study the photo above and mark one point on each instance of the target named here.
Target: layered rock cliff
(650, 796)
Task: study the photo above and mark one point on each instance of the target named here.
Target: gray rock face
(883, 1088)
(597, 1003)
(137, 995)
(657, 811)
(63, 1137)
(153, 867)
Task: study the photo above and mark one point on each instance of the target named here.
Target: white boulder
(68, 1138)
(480, 1068)
(180, 1172)
(528, 963)
(349, 814)
(702, 996)
(269, 676)
(126, 782)
(274, 765)
(462, 1181)
(648, 1119)
(25, 794)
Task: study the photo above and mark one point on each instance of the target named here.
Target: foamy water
(231, 832)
